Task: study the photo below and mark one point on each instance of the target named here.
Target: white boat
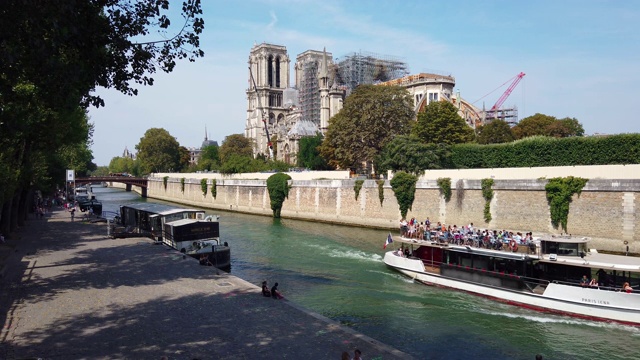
(547, 278)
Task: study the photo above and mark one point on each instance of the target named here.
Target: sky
(581, 60)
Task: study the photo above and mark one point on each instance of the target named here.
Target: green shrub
(214, 190)
(559, 194)
(164, 182)
(278, 187)
(357, 186)
(539, 151)
(381, 191)
(182, 184)
(203, 186)
(445, 188)
(487, 194)
(404, 188)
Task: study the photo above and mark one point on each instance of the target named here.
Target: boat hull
(582, 302)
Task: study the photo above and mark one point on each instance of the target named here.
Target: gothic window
(275, 99)
(270, 70)
(278, 71)
(280, 118)
(272, 118)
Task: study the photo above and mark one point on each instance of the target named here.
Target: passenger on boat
(404, 227)
(584, 281)
(275, 293)
(626, 287)
(593, 282)
(265, 289)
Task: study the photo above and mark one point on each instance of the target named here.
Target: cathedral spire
(205, 133)
(323, 71)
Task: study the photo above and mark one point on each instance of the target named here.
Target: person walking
(73, 213)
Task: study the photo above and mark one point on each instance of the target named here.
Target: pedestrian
(275, 293)
(357, 355)
(73, 213)
(345, 356)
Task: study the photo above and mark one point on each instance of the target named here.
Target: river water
(337, 271)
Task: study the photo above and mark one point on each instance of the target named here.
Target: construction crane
(263, 115)
(506, 94)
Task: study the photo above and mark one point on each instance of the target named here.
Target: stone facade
(605, 210)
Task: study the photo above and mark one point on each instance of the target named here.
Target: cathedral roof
(303, 128)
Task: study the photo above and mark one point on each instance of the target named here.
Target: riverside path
(69, 292)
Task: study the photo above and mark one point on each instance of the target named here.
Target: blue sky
(581, 59)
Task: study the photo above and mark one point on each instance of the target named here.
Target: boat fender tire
(226, 244)
(183, 250)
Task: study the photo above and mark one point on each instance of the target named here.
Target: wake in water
(556, 319)
(346, 253)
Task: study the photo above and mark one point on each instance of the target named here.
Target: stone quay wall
(605, 210)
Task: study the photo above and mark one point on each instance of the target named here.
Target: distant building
(194, 153)
(127, 154)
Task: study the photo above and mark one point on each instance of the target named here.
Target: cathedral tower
(268, 78)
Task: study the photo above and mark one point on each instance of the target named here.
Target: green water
(337, 271)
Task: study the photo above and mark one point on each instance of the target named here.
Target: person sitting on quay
(275, 293)
(626, 287)
(265, 289)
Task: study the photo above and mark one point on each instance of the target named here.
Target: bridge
(127, 180)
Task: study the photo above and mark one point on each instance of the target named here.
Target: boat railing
(599, 287)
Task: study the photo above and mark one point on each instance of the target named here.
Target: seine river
(337, 271)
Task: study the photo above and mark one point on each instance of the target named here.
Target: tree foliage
(404, 188)
(440, 123)
(546, 125)
(158, 151)
(54, 55)
(495, 132)
(559, 194)
(411, 155)
(309, 153)
(209, 158)
(236, 144)
(278, 187)
(372, 116)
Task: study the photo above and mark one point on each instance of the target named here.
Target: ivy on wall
(559, 193)
(459, 193)
(164, 182)
(357, 186)
(182, 184)
(404, 188)
(278, 187)
(203, 186)
(487, 194)
(214, 190)
(381, 191)
(445, 188)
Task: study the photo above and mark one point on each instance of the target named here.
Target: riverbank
(68, 291)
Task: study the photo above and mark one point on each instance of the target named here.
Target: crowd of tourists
(466, 235)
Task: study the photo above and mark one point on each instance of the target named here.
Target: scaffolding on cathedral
(368, 68)
(309, 92)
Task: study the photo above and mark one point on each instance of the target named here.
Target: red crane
(506, 94)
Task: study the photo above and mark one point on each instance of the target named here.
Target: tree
(441, 124)
(120, 164)
(309, 154)
(546, 125)
(411, 155)
(185, 158)
(372, 115)
(573, 125)
(158, 151)
(495, 132)
(236, 144)
(209, 158)
(533, 125)
(54, 54)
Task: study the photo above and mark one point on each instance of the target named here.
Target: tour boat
(549, 276)
(189, 231)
